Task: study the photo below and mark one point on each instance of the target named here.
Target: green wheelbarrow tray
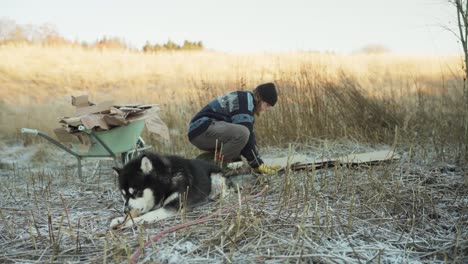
(123, 140)
(118, 140)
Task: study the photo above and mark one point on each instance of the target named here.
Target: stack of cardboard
(105, 116)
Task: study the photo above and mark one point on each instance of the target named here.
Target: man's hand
(265, 169)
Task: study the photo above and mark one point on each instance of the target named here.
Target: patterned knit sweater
(234, 107)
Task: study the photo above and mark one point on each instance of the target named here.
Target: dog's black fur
(172, 180)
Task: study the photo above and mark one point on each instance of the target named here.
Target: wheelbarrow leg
(56, 143)
(79, 168)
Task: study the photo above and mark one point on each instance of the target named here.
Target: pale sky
(343, 26)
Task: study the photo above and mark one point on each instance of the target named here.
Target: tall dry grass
(361, 97)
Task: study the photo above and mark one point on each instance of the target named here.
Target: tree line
(47, 34)
(170, 45)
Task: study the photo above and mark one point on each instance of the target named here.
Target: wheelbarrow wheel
(139, 149)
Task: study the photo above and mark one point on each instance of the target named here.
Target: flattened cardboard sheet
(154, 124)
(301, 162)
(115, 120)
(94, 109)
(94, 121)
(105, 116)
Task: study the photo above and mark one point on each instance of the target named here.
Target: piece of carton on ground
(298, 162)
(301, 162)
(105, 116)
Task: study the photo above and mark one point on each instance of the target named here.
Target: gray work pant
(226, 137)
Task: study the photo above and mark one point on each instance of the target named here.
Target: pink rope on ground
(195, 222)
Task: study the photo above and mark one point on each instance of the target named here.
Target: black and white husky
(157, 186)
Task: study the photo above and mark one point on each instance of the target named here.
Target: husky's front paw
(117, 222)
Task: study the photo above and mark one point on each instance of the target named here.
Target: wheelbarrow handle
(29, 131)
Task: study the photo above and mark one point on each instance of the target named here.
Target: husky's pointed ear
(146, 165)
(117, 171)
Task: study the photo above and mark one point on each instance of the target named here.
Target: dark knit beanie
(267, 92)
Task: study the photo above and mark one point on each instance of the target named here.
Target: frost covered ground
(414, 210)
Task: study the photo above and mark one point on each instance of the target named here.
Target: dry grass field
(410, 211)
(362, 97)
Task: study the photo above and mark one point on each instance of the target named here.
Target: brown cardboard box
(80, 101)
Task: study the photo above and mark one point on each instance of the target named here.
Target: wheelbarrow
(120, 144)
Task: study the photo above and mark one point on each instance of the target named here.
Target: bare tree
(462, 19)
(7, 28)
